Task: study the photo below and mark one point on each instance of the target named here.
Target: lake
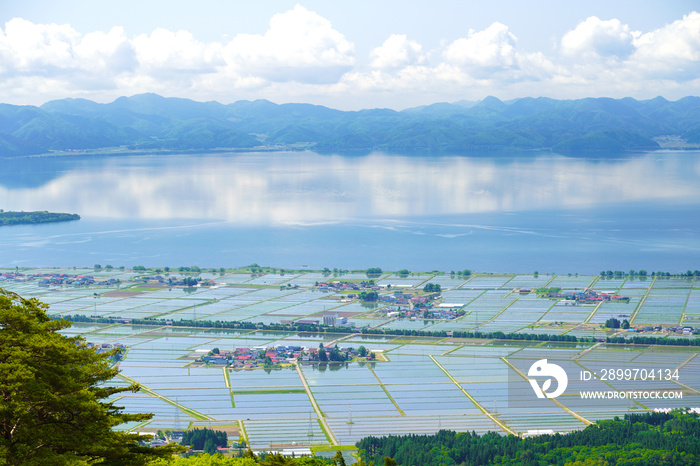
(490, 213)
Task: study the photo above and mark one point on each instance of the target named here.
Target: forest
(20, 218)
(650, 439)
(149, 122)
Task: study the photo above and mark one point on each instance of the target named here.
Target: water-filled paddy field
(418, 385)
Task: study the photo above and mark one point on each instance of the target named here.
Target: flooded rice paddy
(420, 385)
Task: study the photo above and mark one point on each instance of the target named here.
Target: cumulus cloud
(300, 45)
(671, 52)
(111, 52)
(397, 52)
(166, 51)
(28, 47)
(488, 50)
(301, 56)
(598, 38)
(52, 49)
(609, 54)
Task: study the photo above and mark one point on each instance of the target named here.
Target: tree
(52, 392)
(362, 351)
(432, 288)
(322, 355)
(205, 439)
(370, 296)
(209, 446)
(336, 355)
(338, 458)
(190, 281)
(612, 323)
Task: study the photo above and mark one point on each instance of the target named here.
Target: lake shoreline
(35, 217)
(472, 152)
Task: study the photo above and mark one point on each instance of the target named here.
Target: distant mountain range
(148, 122)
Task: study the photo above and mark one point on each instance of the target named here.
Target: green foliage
(205, 439)
(555, 290)
(374, 272)
(156, 122)
(362, 351)
(372, 331)
(18, 218)
(432, 288)
(248, 459)
(644, 439)
(369, 296)
(52, 392)
(612, 323)
(338, 459)
(335, 355)
(665, 341)
(191, 281)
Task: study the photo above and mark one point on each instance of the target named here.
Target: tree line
(637, 340)
(19, 218)
(319, 328)
(644, 439)
(205, 439)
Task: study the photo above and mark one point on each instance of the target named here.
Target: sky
(348, 54)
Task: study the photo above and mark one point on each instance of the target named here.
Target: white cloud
(488, 50)
(397, 52)
(300, 45)
(300, 56)
(597, 38)
(111, 52)
(166, 51)
(610, 57)
(671, 52)
(28, 47)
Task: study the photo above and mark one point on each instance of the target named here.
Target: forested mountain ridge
(152, 122)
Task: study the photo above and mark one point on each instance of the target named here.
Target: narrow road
(319, 414)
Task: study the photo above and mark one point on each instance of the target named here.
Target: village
(55, 279)
(261, 356)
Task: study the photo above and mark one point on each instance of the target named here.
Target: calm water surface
(515, 213)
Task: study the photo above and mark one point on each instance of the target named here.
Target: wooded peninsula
(24, 218)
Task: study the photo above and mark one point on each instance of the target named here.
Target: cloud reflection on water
(308, 188)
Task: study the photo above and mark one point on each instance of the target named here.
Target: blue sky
(348, 55)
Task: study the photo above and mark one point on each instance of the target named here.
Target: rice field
(419, 385)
